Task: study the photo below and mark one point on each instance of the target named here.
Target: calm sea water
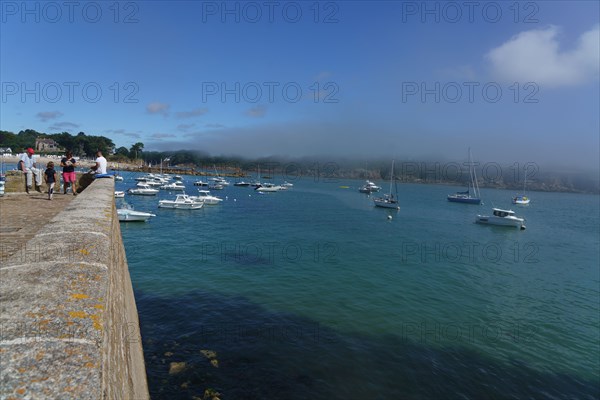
(314, 293)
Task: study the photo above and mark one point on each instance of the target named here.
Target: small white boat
(216, 186)
(118, 178)
(143, 190)
(242, 184)
(177, 177)
(268, 188)
(287, 184)
(200, 183)
(182, 201)
(174, 186)
(128, 214)
(369, 187)
(521, 199)
(501, 218)
(119, 194)
(205, 197)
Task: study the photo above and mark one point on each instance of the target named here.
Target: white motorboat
(242, 184)
(268, 188)
(118, 178)
(174, 186)
(200, 183)
(287, 184)
(389, 200)
(143, 190)
(119, 194)
(182, 201)
(177, 177)
(205, 197)
(128, 214)
(501, 218)
(216, 186)
(369, 187)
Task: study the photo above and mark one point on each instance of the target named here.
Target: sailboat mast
(391, 178)
(473, 174)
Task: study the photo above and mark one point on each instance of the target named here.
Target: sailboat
(522, 199)
(465, 197)
(389, 200)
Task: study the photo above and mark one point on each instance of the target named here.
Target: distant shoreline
(551, 187)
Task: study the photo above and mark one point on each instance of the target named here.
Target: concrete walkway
(23, 215)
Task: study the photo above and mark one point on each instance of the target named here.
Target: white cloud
(158, 108)
(62, 126)
(534, 56)
(162, 135)
(257, 112)
(194, 113)
(46, 115)
(185, 127)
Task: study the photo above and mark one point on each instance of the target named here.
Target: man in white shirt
(28, 165)
(101, 163)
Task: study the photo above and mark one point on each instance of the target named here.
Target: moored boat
(369, 187)
(501, 217)
(143, 190)
(389, 200)
(128, 214)
(205, 197)
(182, 202)
(466, 197)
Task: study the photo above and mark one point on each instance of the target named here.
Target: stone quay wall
(69, 326)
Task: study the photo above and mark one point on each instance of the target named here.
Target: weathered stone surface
(68, 322)
(15, 182)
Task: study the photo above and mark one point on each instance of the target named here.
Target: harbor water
(315, 293)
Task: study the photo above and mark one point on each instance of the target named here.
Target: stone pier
(68, 321)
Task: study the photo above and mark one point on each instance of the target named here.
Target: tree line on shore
(319, 168)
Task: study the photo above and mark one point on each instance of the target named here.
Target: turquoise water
(314, 293)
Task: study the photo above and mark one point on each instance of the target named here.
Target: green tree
(136, 149)
(122, 151)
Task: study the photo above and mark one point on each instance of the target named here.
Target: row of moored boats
(499, 216)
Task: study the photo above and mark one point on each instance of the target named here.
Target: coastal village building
(46, 145)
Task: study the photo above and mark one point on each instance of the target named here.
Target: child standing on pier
(50, 178)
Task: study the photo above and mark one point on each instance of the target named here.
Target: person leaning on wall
(28, 165)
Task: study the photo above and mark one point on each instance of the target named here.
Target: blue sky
(516, 82)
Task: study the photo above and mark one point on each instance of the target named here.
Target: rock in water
(176, 367)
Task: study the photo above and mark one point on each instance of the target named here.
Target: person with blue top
(28, 165)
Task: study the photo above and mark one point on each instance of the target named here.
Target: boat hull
(138, 193)
(522, 201)
(385, 203)
(465, 200)
(133, 216)
(511, 222)
(180, 206)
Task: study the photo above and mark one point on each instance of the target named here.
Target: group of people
(28, 165)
